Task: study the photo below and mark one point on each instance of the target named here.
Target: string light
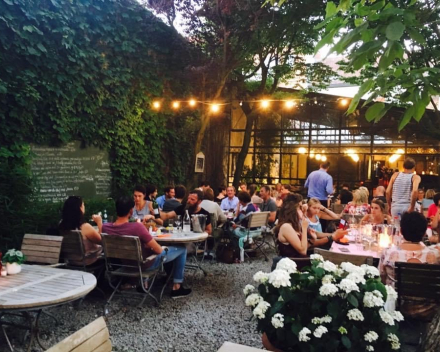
(343, 102)
(265, 104)
(215, 107)
(175, 105)
(192, 103)
(323, 158)
(289, 104)
(156, 105)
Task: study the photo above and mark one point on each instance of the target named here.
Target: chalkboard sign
(71, 170)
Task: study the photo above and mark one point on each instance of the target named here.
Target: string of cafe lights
(215, 107)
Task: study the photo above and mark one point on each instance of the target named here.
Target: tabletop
(38, 287)
(181, 237)
(354, 249)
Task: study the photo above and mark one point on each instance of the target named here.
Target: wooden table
(37, 287)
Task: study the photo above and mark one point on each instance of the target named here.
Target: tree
(393, 50)
(245, 42)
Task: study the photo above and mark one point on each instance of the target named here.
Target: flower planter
(13, 268)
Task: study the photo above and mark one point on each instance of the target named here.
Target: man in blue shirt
(231, 201)
(169, 194)
(320, 184)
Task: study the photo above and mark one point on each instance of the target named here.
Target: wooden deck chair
(257, 220)
(91, 338)
(42, 249)
(123, 259)
(338, 258)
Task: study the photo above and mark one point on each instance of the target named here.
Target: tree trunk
(204, 120)
(250, 118)
(431, 342)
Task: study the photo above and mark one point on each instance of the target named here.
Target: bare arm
(208, 229)
(435, 220)
(156, 247)
(92, 235)
(390, 190)
(272, 216)
(98, 220)
(327, 214)
(414, 193)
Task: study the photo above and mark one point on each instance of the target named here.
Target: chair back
(258, 219)
(414, 260)
(417, 280)
(92, 337)
(41, 249)
(338, 258)
(122, 247)
(73, 247)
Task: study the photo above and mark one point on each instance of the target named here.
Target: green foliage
(396, 47)
(85, 70)
(14, 256)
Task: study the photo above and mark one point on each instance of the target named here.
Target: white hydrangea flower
(261, 277)
(369, 348)
(248, 289)
(351, 268)
(260, 309)
(302, 336)
(328, 290)
(319, 331)
(355, 314)
(348, 286)
(370, 271)
(373, 299)
(253, 299)
(279, 278)
(339, 272)
(278, 321)
(287, 264)
(356, 278)
(325, 319)
(311, 278)
(391, 292)
(395, 343)
(371, 336)
(397, 316)
(386, 317)
(328, 266)
(328, 279)
(317, 257)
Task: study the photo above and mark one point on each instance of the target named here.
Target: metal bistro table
(36, 288)
(183, 238)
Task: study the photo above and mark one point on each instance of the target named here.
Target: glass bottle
(104, 217)
(156, 209)
(186, 222)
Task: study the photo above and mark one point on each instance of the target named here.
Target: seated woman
(73, 219)
(241, 221)
(413, 226)
(377, 215)
(143, 209)
(316, 211)
(359, 205)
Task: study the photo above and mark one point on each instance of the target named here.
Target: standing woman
(377, 215)
(73, 219)
(316, 211)
(291, 231)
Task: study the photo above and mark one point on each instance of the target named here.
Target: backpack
(227, 252)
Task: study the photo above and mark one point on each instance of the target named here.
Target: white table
(353, 249)
(181, 237)
(37, 287)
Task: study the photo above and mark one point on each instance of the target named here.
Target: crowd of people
(299, 224)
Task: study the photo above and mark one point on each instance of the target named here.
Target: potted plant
(324, 308)
(13, 260)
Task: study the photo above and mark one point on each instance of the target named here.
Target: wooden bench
(41, 249)
(91, 338)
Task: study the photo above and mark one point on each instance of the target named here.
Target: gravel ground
(213, 314)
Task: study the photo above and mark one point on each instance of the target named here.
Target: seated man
(172, 204)
(122, 227)
(195, 198)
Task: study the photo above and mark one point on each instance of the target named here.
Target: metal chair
(124, 259)
(257, 220)
(338, 258)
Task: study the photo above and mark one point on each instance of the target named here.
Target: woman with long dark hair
(72, 218)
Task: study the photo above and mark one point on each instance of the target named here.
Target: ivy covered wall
(87, 70)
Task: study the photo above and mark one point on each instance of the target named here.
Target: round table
(38, 287)
(181, 237)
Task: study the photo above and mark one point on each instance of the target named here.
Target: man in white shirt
(212, 207)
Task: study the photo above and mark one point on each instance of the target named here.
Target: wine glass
(178, 222)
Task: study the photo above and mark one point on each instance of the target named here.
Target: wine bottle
(104, 217)
(186, 222)
(156, 209)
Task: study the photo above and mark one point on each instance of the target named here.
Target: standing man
(169, 193)
(268, 204)
(320, 184)
(403, 188)
(380, 194)
(231, 201)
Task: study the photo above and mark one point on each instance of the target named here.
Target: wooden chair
(123, 259)
(42, 249)
(338, 258)
(417, 280)
(91, 338)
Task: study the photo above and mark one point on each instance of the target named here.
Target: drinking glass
(178, 222)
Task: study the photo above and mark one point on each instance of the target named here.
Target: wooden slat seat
(41, 249)
(94, 337)
(338, 258)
